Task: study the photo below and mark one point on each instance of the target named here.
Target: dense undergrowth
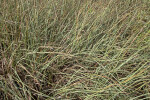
(74, 49)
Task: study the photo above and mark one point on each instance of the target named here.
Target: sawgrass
(75, 49)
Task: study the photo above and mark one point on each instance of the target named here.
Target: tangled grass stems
(75, 49)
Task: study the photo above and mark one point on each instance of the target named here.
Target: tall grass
(75, 49)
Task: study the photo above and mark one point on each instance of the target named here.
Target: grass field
(74, 49)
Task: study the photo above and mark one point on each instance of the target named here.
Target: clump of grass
(75, 49)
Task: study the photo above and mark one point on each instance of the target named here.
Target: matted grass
(74, 49)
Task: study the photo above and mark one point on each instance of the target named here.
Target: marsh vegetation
(75, 49)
